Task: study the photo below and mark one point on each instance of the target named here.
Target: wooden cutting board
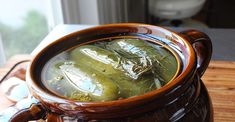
(219, 79)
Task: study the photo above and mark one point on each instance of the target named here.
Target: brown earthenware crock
(184, 99)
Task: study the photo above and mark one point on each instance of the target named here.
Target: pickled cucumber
(89, 82)
(107, 62)
(130, 87)
(163, 63)
(95, 57)
(118, 69)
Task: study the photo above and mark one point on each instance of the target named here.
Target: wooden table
(219, 80)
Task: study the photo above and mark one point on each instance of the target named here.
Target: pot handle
(51, 117)
(25, 110)
(202, 46)
(28, 110)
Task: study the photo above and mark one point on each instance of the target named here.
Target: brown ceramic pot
(184, 99)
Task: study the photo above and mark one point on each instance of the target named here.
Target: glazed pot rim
(40, 93)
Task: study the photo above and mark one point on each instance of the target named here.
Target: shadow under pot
(120, 72)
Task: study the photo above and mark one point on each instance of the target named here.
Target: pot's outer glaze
(185, 98)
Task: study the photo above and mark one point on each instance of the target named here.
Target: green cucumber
(90, 82)
(107, 62)
(164, 64)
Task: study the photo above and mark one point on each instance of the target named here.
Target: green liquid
(109, 71)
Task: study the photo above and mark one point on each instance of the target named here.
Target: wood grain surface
(219, 79)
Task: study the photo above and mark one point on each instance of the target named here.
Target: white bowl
(175, 9)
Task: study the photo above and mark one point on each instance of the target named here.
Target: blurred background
(24, 23)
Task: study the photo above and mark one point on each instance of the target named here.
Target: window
(23, 24)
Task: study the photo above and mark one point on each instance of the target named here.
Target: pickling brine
(110, 70)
